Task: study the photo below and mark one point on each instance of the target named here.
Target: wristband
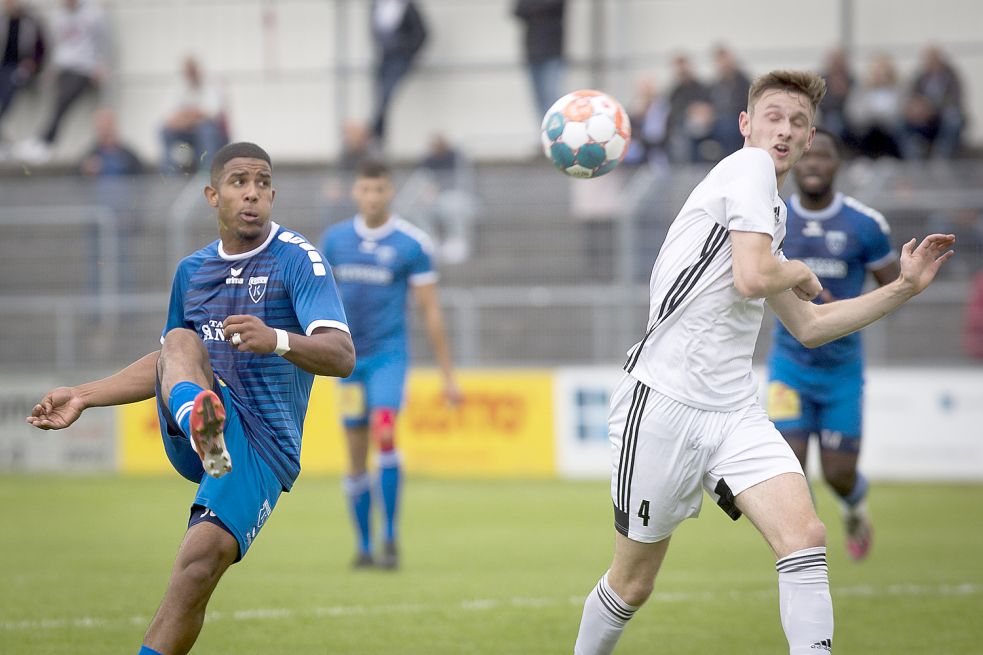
(282, 342)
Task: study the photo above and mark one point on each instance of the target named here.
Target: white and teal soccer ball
(586, 133)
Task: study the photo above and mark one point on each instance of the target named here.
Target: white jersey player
(685, 417)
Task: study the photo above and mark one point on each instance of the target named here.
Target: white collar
(829, 211)
(375, 233)
(274, 227)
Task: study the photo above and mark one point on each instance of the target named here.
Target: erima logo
(825, 644)
(778, 214)
(234, 278)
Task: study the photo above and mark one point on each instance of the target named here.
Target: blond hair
(807, 83)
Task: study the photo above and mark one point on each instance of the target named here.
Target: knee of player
(201, 572)
(842, 479)
(382, 426)
(813, 533)
(636, 590)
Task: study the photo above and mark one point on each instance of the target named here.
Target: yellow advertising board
(504, 428)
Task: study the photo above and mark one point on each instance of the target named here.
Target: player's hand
(920, 265)
(58, 409)
(254, 336)
(452, 394)
(809, 288)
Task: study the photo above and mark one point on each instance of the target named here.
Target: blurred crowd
(875, 114)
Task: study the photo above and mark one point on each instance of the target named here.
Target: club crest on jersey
(836, 241)
(385, 255)
(257, 287)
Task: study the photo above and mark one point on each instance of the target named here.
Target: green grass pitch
(488, 568)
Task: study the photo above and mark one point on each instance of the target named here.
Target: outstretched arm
(433, 319)
(62, 406)
(813, 325)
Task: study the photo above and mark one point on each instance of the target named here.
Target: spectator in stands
(196, 127)
(934, 115)
(728, 93)
(691, 116)
(874, 111)
(839, 83)
(543, 48)
(399, 32)
(973, 324)
(109, 157)
(21, 53)
(110, 163)
(441, 154)
(649, 115)
(81, 64)
(356, 146)
(445, 204)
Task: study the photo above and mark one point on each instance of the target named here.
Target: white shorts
(663, 451)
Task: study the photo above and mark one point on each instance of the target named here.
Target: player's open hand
(249, 334)
(58, 409)
(919, 265)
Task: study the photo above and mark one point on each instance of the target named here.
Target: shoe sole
(207, 422)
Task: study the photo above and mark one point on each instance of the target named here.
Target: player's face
(815, 171)
(373, 195)
(780, 122)
(244, 200)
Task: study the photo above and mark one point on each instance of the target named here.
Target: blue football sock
(180, 403)
(389, 483)
(144, 650)
(358, 489)
(859, 491)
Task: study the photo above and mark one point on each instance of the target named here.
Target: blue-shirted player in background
(377, 258)
(820, 391)
(253, 318)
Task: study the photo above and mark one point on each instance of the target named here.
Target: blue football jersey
(839, 244)
(288, 285)
(374, 268)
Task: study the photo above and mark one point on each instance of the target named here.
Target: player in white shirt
(685, 417)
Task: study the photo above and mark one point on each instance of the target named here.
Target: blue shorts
(825, 401)
(377, 382)
(242, 499)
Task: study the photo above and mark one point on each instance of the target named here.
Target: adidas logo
(825, 644)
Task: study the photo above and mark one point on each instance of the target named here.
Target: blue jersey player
(377, 258)
(820, 391)
(253, 318)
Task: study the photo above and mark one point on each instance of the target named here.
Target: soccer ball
(586, 133)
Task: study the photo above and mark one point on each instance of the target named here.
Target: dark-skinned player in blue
(819, 391)
(253, 317)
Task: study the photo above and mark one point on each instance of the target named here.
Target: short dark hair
(232, 151)
(837, 142)
(373, 168)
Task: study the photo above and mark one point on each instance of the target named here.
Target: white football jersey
(701, 332)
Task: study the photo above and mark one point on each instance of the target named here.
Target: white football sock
(804, 601)
(605, 617)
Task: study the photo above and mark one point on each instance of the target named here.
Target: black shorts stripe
(634, 448)
(683, 285)
(629, 444)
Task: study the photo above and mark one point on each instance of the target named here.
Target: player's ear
(812, 135)
(744, 122)
(211, 196)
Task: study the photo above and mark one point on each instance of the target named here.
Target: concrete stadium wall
(279, 62)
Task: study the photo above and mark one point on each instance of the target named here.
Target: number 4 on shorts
(643, 512)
